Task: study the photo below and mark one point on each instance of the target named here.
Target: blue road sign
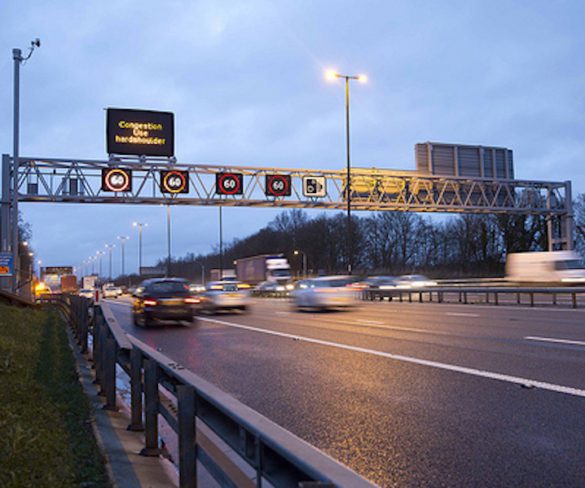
(6, 265)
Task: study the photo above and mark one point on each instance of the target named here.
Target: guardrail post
(151, 400)
(440, 296)
(409, 297)
(554, 297)
(97, 335)
(465, 297)
(518, 298)
(187, 436)
(532, 299)
(496, 298)
(136, 390)
(400, 296)
(574, 296)
(111, 355)
(460, 299)
(101, 367)
(420, 297)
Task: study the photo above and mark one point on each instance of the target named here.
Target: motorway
(405, 394)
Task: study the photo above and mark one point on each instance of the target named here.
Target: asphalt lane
(396, 422)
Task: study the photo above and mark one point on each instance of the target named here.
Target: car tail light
(192, 300)
(149, 302)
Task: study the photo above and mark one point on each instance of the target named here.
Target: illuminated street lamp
(333, 75)
(296, 253)
(140, 225)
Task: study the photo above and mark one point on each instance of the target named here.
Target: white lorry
(558, 267)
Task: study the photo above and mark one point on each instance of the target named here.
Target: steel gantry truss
(80, 181)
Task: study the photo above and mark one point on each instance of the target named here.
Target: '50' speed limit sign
(174, 181)
(229, 183)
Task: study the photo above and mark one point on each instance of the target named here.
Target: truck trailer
(265, 267)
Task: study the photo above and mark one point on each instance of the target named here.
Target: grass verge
(46, 437)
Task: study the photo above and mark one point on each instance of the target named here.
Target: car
(111, 291)
(87, 293)
(414, 281)
(273, 288)
(196, 288)
(163, 299)
(224, 295)
(328, 292)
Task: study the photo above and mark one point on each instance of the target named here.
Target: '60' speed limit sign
(174, 181)
(229, 183)
(277, 186)
(116, 180)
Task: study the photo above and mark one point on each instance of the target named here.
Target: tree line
(389, 243)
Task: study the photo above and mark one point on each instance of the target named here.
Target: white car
(111, 291)
(328, 292)
(414, 281)
(224, 295)
(87, 293)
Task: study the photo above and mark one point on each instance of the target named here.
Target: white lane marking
(280, 312)
(408, 359)
(461, 314)
(552, 339)
(374, 322)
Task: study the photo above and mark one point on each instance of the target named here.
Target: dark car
(163, 299)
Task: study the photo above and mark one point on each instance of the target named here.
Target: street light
(18, 59)
(296, 253)
(110, 248)
(99, 255)
(333, 75)
(140, 225)
(123, 240)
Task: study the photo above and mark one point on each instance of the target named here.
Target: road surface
(406, 394)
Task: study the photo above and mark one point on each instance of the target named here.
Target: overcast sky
(245, 81)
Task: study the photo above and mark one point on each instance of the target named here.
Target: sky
(245, 82)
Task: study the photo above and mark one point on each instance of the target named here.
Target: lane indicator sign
(229, 183)
(174, 181)
(278, 186)
(314, 186)
(116, 179)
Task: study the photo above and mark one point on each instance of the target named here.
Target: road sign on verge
(314, 186)
(6, 266)
(277, 186)
(229, 183)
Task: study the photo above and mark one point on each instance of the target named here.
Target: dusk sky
(245, 81)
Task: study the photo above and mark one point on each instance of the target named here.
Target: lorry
(265, 267)
(554, 267)
(89, 282)
(225, 274)
(69, 284)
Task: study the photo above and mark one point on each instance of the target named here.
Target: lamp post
(220, 243)
(99, 255)
(332, 75)
(140, 225)
(168, 240)
(123, 240)
(18, 59)
(202, 272)
(110, 248)
(296, 253)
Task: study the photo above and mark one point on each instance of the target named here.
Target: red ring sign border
(271, 191)
(235, 190)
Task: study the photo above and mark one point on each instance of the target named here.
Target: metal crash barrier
(197, 411)
(558, 296)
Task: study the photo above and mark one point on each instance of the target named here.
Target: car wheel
(135, 320)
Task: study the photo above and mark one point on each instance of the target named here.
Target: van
(559, 267)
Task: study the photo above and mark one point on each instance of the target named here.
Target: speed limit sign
(116, 179)
(277, 186)
(174, 181)
(229, 183)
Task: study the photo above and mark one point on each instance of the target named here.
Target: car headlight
(290, 287)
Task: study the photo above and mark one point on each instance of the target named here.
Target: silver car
(329, 292)
(224, 295)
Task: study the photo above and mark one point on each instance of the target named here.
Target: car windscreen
(167, 288)
(280, 272)
(331, 283)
